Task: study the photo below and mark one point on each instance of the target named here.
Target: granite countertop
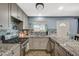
(36, 36)
(69, 45)
(7, 48)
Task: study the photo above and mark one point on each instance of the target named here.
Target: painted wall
(51, 23)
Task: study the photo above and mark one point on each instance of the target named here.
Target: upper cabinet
(23, 17)
(9, 10)
(19, 13)
(25, 21)
(4, 15)
(14, 10)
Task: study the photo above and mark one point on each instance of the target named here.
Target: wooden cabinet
(14, 10)
(4, 15)
(17, 51)
(43, 43)
(19, 13)
(51, 47)
(59, 51)
(38, 43)
(24, 20)
(27, 47)
(11, 9)
(34, 43)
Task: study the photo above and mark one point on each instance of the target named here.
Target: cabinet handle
(12, 52)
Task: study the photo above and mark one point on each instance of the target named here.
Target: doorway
(78, 27)
(62, 29)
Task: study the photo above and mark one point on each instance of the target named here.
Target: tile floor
(37, 53)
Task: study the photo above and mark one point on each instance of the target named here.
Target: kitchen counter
(70, 45)
(37, 36)
(6, 49)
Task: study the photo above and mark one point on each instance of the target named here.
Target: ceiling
(51, 9)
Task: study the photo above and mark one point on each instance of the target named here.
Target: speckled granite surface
(69, 45)
(36, 36)
(6, 48)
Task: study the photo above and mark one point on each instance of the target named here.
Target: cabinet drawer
(17, 51)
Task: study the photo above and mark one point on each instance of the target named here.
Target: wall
(51, 23)
(4, 15)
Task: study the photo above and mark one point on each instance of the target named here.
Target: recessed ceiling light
(60, 8)
(39, 15)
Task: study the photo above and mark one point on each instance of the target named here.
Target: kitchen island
(38, 42)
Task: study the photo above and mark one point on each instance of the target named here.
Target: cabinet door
(19, 15)
(17, 51)
(14, 10)
(62, 52)
(34, 43)
(52, 48)
(59, 51)
(49, 46)
(43, 43)
(30, 43)
(4, 17)
(24, 20)
(27, 47)
(38, 43)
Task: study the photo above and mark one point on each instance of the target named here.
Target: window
(39, 28)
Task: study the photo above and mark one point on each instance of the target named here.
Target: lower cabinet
(27, 47)
(17, 51)
(38, 43)
(56, 50)
(51, 47)
(59, 51)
